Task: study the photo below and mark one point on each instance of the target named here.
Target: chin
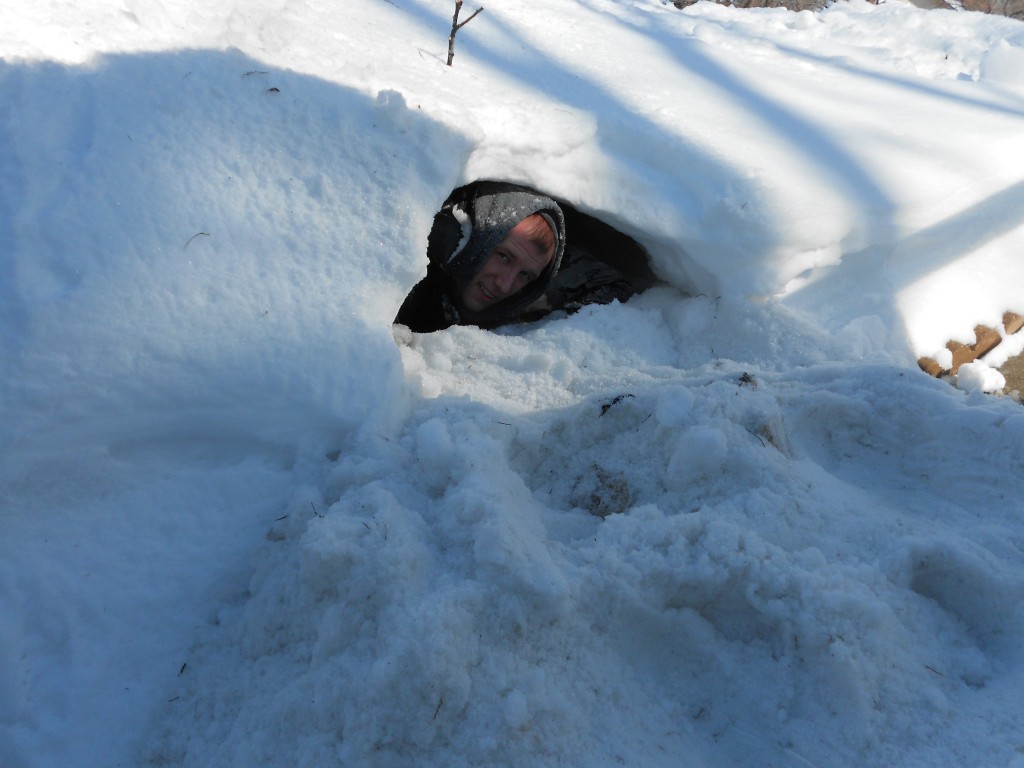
(472, 303)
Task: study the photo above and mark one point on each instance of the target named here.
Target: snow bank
(244, 526)
(677, 568)
(186, 253)
(206, 260)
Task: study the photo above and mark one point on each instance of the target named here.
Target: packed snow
(247, 522)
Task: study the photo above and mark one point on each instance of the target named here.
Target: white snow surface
(728, 523)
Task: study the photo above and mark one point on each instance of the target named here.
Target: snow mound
(675, 563)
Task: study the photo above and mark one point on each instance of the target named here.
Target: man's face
(517, 261)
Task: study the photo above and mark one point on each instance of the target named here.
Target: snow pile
(727, 523)
(718, 565)
(979, 376)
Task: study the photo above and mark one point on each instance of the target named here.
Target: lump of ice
(978, 376)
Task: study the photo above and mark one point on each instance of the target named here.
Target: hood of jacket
(474, 220)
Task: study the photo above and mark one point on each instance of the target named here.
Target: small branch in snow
(763, 443)
(197, 234)
(456, 26)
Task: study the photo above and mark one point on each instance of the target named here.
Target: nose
(504, 280)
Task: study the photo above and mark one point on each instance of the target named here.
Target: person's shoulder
(427, 308)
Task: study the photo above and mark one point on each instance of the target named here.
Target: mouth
(478, 297)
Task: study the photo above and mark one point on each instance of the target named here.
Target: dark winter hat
(477, 218)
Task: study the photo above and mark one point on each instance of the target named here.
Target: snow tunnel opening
(483, 271)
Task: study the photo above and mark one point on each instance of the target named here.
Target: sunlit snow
(728, 523)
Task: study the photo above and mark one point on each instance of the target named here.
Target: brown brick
(985, 340)
(961, 354)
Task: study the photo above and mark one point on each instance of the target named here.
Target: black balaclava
(470, 226)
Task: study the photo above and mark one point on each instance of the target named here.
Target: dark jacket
(593, 263)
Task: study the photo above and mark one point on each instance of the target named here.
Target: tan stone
(1011, 8)
(985, 340)
(930, 367)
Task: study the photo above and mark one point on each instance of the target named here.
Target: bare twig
(456, 26)
(197, 234)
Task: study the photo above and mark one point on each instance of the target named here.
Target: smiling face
(517, 261)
